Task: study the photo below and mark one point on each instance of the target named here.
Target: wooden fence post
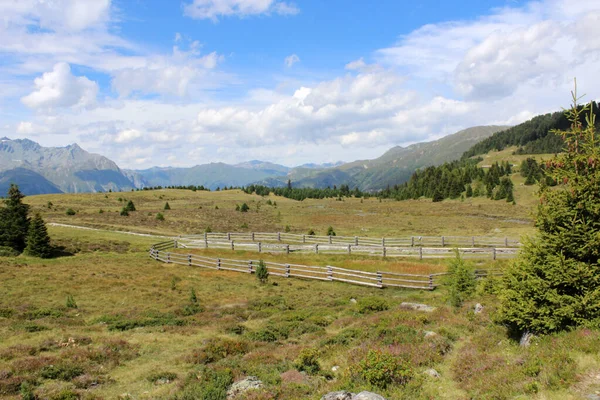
(384, 251)
(157, 255)
(317, 248)
(175, 243)
(329, 239)
(259, 247)
(443, 244)
(349, 249)
(493, 253)
(250, 267)
(383, 242)
(303, 238)
(287, 249)
(287, 270)
(279, 236)
(205, 242)
(412, 241)
(190, 260)
(505, 242)
(205, 236)
(473, 240)
(329, 273)
(218, 263)
(379, 279)
(168, 257)
(253, 236)
(228, 236)
(232, 248)
(356, 240)
(430, 282)
(420, 253)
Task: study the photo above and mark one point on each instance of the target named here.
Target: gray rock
(244, 385)
(368, 396)
(526, 339)
(478, 308)
(353, 301)
(335, 368)
(593, 397)
(417, 307)
(432, 372)
(343, 395)
(430, 334)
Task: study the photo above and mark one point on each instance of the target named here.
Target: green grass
(135, 331)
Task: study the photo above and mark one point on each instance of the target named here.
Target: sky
(180, 83)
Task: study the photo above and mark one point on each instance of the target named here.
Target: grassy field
(104, 321)
(192, 212)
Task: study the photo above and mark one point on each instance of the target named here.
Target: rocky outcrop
(417, 307)
(242, 386)
(343, 395)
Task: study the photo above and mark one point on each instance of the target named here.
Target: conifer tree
(555, 283)
(167, 206)
(14, 222)
(130, 206)
(38, 241)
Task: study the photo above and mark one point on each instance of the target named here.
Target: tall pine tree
(555, 283)
(38, 241)
(14, 222)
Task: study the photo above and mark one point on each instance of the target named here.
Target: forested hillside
(532, 137)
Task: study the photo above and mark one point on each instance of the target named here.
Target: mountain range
(37, 169)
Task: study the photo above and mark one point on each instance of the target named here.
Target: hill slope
(397, 164)
(70, 168)
(29, 182)
(531, 137)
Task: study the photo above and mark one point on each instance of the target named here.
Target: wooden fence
(379, 279)
(389, 250)
(407, 241)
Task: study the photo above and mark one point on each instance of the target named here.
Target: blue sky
(188, 82)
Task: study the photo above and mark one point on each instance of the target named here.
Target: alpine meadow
(273, 199)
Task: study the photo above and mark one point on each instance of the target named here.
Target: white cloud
(213, 9)
(60, 88)
(127, 135)
(291, 60)
(356, 65)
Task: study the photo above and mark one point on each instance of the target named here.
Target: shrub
(308, 362)
(160, 217)
(70, 211)
(372, 304)
(206, 384)
(244, 208)
(462, 280)
(330, 231)
(311, 232)
(71, 302)
(124, 212)
(216, 349)
(101, 211)
(64, 372)
(167, 206)
(208, 229)
(161, 377)
(287, 228)
(262, 273)
(6, 251)
(382, 369)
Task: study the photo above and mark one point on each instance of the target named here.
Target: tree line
(536, 136)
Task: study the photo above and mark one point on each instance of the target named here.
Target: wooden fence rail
(379, 279)
(408, 241)
(390, 250)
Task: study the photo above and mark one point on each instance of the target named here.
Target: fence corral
(379, 279)
(278, 243)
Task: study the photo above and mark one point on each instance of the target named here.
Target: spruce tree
(555, 283)
(38, 241)
(130, 206)
(167, 206)
(14, 222)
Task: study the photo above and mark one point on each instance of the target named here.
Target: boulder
(430, 334)
(417, 307)
(432, 372)
(353, 301)
(526, 339)
(343, 395)
(478, 308)
(244, 385)
(368, 396)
